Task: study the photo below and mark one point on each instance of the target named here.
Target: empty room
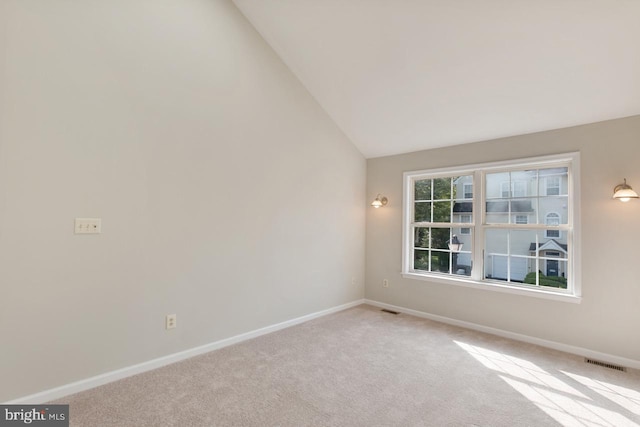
(319, 213)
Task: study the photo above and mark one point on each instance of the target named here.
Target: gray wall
(227, 195)
(607, 319)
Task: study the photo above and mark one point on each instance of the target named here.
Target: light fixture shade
(455, 245)
(624, 192)
(379, 201)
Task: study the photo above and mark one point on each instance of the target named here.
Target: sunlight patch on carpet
(625, 397)
(551, 393)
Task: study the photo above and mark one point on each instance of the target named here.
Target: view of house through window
(516, 231)
(438, 219)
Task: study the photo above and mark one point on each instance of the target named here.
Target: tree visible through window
(436, 222)
(523, 239)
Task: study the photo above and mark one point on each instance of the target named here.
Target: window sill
(496, 287)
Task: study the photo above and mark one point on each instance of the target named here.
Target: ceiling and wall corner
(158, 117)
(402, 76)
(606, 319)
(207, 161)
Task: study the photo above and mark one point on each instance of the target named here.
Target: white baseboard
(584, 352)
(86, 384)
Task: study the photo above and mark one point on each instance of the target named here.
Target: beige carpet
(363, 367)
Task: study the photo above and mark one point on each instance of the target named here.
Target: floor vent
(605, 365)
(390, 311)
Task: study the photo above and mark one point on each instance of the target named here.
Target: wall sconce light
(624, 192)
(379, 202)
(455, 245)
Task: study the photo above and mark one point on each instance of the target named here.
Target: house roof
(552, 244)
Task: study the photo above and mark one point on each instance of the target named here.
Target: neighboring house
(535, 197)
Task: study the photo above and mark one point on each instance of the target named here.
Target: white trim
(108, 377)
(479, 171)
(503, 166)
(485, 285)
(578, 351)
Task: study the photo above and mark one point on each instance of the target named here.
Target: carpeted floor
(364, 367)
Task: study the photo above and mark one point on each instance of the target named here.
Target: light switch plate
(88, 226)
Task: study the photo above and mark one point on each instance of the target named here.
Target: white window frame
(465, 192)
(546, 221)
(479, 227)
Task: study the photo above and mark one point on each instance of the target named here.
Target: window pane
(440, 261)
(508, 254)
(518, 188)
(422, 212)
(496, 183)
(551, 247)
(440, 238)
(461, 263)
(467, 191)
(496, 254)
(422, 189)
(441, 211)
(442, 188)
(524, 207)
(554, 274)
(505, 211)
(553, 209)
(463, 187)
(497, 241)
(421, 260)
(462, 210)
(553, 255)
(553, 181)
(524, 183)
(463, 230)
(421, 237)
(522, 260)
(522, 242)
(497, 212)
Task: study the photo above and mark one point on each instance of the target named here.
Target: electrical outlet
(385, 283)
(171, 321)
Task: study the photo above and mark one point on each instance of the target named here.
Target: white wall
(227, 195)
(607, 319)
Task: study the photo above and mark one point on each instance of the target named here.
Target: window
(552, 219)
(437, 207)
(510, 229)
(553, 186)
(467, 189)
(513, 189)
(465, 219)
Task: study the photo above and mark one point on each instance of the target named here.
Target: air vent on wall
(389, 311)
(605, 365)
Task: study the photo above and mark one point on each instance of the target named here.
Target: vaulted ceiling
(405, 75)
